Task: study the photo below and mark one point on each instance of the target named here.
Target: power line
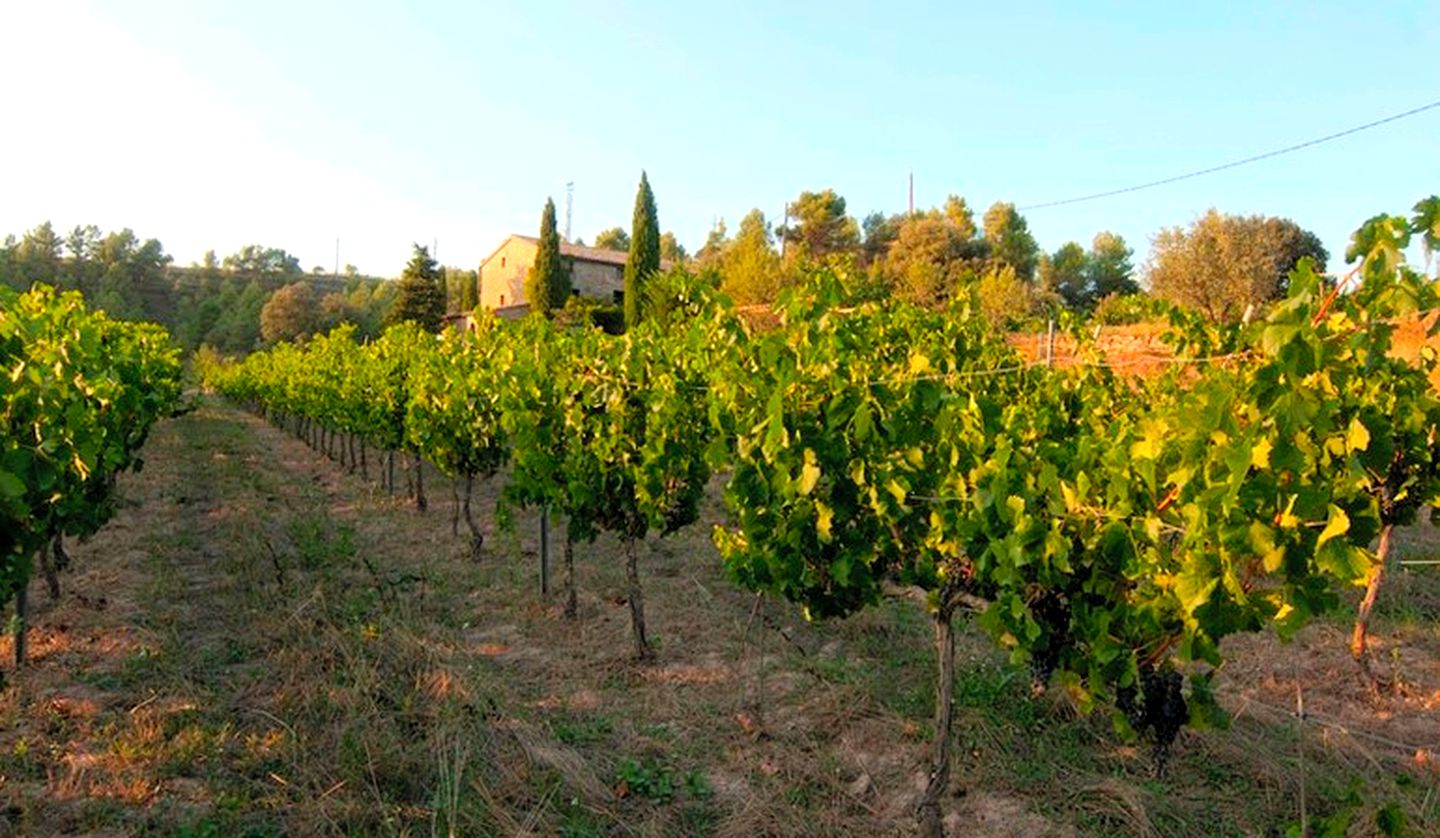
(1276, 153)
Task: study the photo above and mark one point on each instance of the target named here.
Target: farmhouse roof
(579, 253)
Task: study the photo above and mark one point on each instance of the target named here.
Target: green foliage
(1224, 264)
(651, 779)
(453, 413)
(1389, 820)
(420, 298)
(117, 272)
(879, 231)
(614, 238)
(1110, 532)
(697, 787)
(1065, 273)
(580, 312)
(236, 324)
(134, 279)
(709, 254)
(678, 294)
(1426, 224)
(82, 393)
(1010, 240)
(644, 258)
(583, 730)
(461, 288)
(357, 388)
(225, 310)
(931, 258)
(608, 430)
(749, 265)
(611, 432)
(959, 214)
(265, 262)
(821, 227)
(289, 314)
(672, 251)
(1124, 309)
(1108, 270)
(654, 780)
(823, 474)
(1004, 299)
(547, 282)
(1115, 534)
(35, 258)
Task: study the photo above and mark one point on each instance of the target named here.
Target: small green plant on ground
(582, 730)
(649, 778)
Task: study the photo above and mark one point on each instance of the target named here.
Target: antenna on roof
(569, 205)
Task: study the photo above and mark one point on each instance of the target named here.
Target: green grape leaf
(11, 487)
(1336, 525)
(809, 473)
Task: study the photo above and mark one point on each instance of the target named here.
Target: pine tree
(547, 283)
(644, 258)
(419, 295)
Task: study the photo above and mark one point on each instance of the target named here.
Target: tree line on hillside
(615, 238)
(1221, 265)
(252, 297)
(110, 270)
(425, 293)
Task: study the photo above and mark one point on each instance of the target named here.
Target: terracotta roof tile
(581, 253)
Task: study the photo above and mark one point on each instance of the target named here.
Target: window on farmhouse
(618, 297)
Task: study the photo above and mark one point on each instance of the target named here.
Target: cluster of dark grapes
(1052, 611)
(1158, 708)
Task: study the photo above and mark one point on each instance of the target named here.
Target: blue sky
(294, 124)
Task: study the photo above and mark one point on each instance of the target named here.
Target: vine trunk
(477, 538)
(1359, 638)
(929, 808)
(643, 652)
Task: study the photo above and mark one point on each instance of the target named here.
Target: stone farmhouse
(595, 274)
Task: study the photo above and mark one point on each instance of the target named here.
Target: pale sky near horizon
(292, 124)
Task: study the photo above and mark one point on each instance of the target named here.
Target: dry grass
(261, 644)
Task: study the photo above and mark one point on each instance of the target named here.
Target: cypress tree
(644, 258)
(547, 283)
(468, 282)
(419, 296)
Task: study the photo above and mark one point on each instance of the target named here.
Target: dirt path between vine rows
(260, 643)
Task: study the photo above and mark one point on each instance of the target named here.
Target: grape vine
(81, 394)
(1108, 532)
